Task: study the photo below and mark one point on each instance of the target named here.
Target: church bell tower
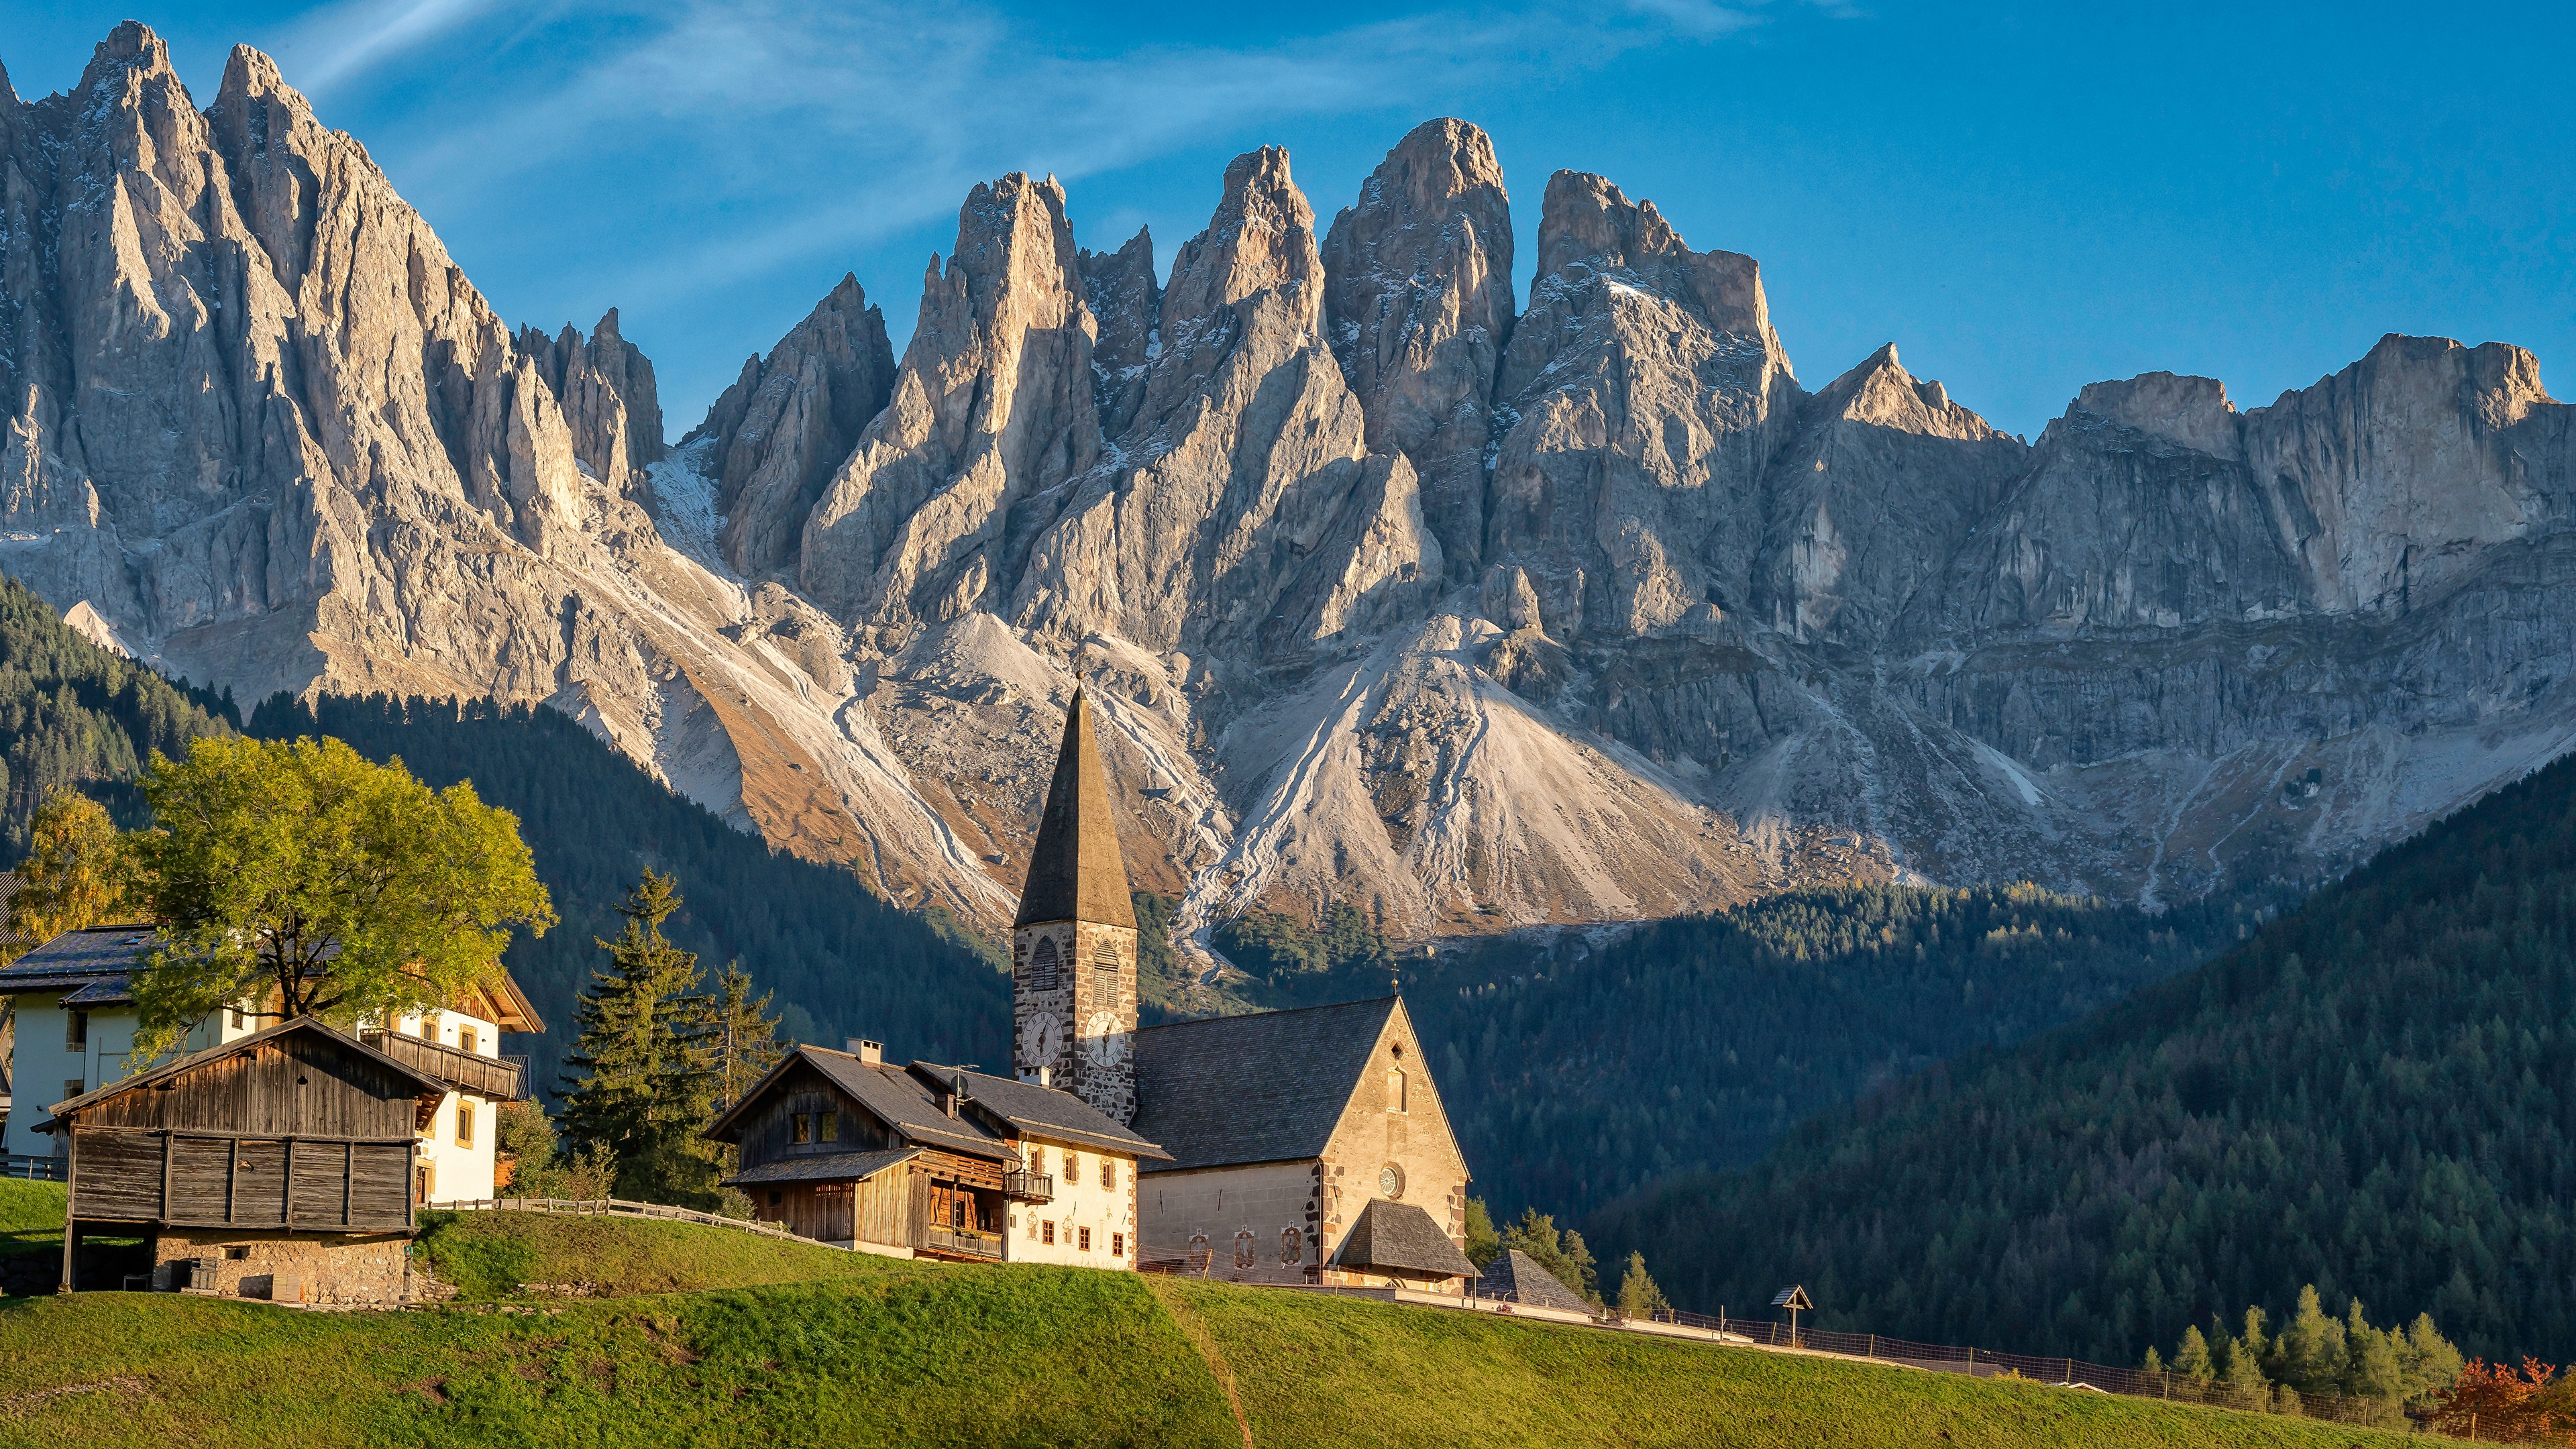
(1073, 946)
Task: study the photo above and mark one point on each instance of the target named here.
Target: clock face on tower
(1103, 1043)
(1041, 1037)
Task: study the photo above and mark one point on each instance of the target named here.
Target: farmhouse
(275, 1165)
(1296, 1146)
(76, 1020)
(849, 1148)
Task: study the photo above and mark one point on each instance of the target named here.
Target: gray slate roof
(1398, 1237)
(94, 962)
(1075, 870)
(1516, 1277)
(1043, 1111)
(906, 1099)
(903, 1102)
(828, 1166)
(1265, 1087)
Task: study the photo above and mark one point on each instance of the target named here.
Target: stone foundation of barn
(351, 1269)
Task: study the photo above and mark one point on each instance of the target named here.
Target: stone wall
(1266, 1212)
(351, 1269)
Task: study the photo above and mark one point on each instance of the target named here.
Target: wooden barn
(278, 1165)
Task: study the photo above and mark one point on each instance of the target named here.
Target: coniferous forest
(2376, 1094)
(842, 961)
(1574, 1072)
(73, 715)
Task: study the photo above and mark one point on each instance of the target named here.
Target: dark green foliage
(1158, 971)
(1484, 1245)
(844, 961)
(1561, 1253)
(2376, 1094)
(1573, 1074)
(1283, 952)
(73, 715)
(640, 1081)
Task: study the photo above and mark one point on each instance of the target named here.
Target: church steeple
(1076, 872)
(1073, 944)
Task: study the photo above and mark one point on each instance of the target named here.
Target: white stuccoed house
(75, 1022)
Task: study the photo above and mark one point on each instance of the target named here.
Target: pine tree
(741, 1039)
(648, 1080)
(2192, 1360)
(1638, 1295)
(1562, 1254)
(1484, 1245)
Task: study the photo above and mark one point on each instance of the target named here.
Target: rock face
(1418, 303)
(1380, 592)
(789, 420)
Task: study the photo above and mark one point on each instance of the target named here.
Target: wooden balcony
(502, 1079)
(1028, 1187)
(961, 1243)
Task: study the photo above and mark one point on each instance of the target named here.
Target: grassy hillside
(843, 962)
(875, 1352)
(31, 1217)
(2376, 1094)
(1575, 1073)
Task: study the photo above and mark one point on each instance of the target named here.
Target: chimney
(955, 1094)
(871, 1052)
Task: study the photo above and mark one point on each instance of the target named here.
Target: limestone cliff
(1383, 592)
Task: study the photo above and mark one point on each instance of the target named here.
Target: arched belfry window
(1042, 965)
(1104, 958)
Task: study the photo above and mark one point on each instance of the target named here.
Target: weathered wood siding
(190, 1180)
(302, 1085)
(766, 1133)
(300, 1132)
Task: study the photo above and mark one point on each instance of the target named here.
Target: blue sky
(2024, 198)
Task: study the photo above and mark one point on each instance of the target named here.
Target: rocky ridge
(1387, 589)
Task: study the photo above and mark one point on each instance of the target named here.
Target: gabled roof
(94, 961)
(1516, 1277)
(1401, 1238)
(431, 1091)
(1265, 1087)
(889, 1093)
(1035, 1111)
(824, 1167)
(1075, 870)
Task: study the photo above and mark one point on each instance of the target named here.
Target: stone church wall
(1412, 1137)
(1267, 1213)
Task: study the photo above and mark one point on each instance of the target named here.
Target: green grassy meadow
(31, 1217)
(710, 1337)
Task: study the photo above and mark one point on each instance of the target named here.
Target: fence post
(1873, 1347)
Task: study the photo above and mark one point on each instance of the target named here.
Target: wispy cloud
(345, 41)
(875, 116)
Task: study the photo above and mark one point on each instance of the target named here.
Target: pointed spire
(1076, 872)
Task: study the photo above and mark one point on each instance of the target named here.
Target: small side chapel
(1303, 1146)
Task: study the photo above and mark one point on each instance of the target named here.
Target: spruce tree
(647, 1084)
(741, 1039)
(1638, 1295)
(2192, 1360)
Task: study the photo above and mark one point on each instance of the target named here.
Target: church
(1305, 1146)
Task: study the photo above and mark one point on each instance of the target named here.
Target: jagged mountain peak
(1261, 241)
(1437, 162)
(1418, 304)
(131, 46)
(1879, 391)
(2192, 411)
(1587, 224)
